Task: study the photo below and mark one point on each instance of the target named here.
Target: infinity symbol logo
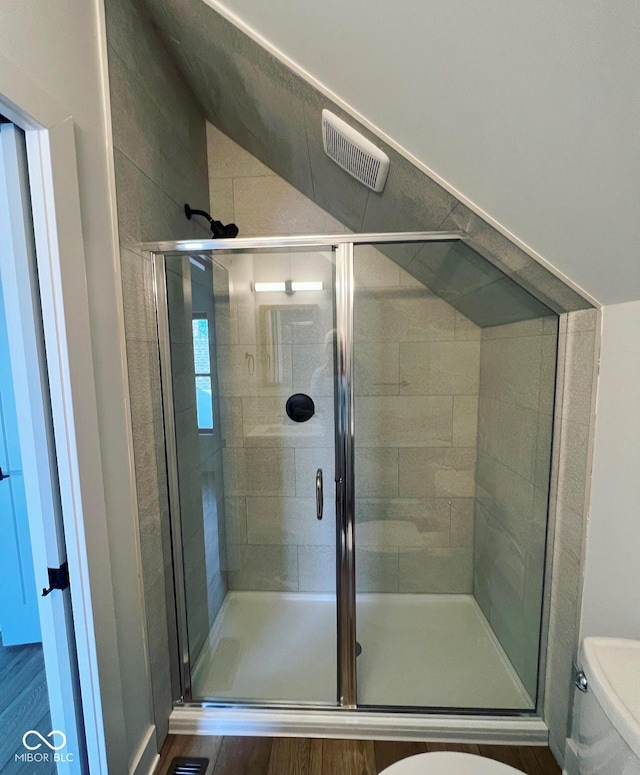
(44, 740)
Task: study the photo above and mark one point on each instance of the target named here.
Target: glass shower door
(251, 337)
(453, 395)
(359, 442)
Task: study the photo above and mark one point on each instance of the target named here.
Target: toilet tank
(609, 711)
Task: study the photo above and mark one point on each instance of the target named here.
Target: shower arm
(218, 229)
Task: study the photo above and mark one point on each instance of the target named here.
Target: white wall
(529, 110)
(61, 51)
(612, 570)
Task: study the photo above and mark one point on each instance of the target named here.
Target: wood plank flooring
(24, 704)
(304, 756)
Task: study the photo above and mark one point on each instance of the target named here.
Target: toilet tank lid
(612, 667)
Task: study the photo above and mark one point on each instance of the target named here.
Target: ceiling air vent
(353, 152)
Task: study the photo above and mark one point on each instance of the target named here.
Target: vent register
(353, 152)
(182, 765)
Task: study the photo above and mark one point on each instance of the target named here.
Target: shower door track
(299, 720)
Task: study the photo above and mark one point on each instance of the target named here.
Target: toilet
(449, 763)
(607, 709)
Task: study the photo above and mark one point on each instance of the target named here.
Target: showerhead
(218, 229)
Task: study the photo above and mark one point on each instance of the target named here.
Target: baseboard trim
(357, 725)
(146, 758)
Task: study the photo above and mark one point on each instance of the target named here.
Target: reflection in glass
(202, 366)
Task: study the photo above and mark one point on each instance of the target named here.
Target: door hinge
(58, 579)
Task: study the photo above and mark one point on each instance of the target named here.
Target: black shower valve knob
(300, 407)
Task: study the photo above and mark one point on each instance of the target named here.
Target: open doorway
(39, 697)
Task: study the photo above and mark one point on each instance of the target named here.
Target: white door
(39, 472)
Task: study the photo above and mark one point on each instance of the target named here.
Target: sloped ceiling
(275, 114)
(529, 109)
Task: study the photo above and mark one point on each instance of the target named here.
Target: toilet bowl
(449, 763)
(607, 710)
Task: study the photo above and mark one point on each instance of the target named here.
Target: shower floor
(417, 651)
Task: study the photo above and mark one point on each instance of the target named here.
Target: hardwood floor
(304, 756)
(24, 704)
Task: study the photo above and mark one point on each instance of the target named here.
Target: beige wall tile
(508, 434)
(466, 329)
(578, 376)
(439, 368)
(230, 421)
(582, 320)
(506, 496)
(446, 571)
(548, 369)
(401, 315)
(266, 424)
(313, 370)
(533, 327)
(376, 569)
(465, 421)
(221, 198)
(258, 471)
(269, 205)
(510, 370)
(265, 568)
(404, 421)
(408, 280)
(389, 522)
(229, 160)
(376, 472)
(289, 521)
(377, 368)
(573, 466)
(235, 518)
(317, 568)
(437, 473)
(372, 269)
(462, 522)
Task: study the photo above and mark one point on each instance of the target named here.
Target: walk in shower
(358, 433)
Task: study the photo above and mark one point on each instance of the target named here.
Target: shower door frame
(343, 294)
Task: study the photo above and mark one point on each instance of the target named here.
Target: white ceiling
(531, 111)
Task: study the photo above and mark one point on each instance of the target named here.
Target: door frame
(345, 479)
(56, 205)
(43, 513)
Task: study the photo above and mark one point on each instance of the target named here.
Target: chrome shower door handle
(319, 494)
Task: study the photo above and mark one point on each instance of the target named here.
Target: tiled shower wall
(160, 151)
(417, 374)
(417, 363)
(578, 357)
(517, 383)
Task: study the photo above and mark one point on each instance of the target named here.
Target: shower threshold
(419, 651)
(197, 719)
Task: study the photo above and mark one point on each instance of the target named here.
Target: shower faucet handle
(319, 494)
